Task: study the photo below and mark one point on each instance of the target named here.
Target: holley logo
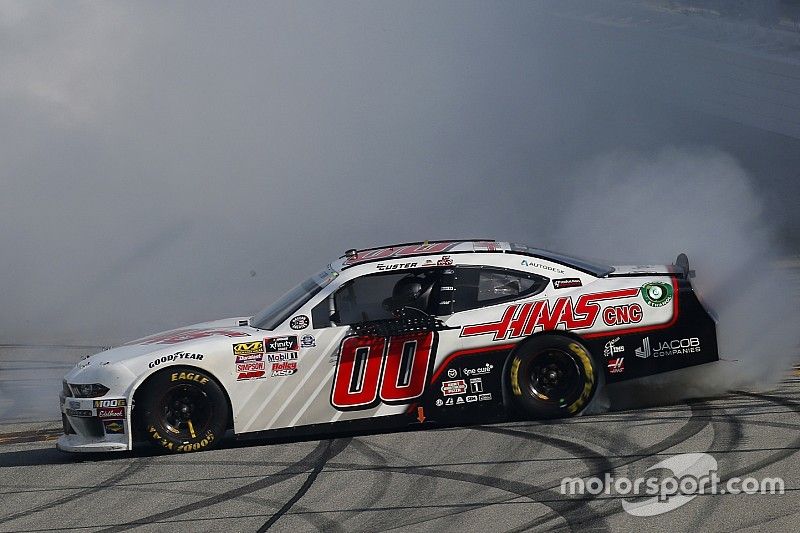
(286, 368)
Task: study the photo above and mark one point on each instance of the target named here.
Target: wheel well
(141, 387)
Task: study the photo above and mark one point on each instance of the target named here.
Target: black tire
(183, 409)
(552, 376)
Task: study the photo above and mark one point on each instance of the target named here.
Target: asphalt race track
(500, 477)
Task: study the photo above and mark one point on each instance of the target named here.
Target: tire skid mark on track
(127, 472)
(517, 488)
(297, 468)
(448, 510)
(559, 508)
(783, 453)
(779, 454)
(36, 435)
(731, 434)
(332, 449)
(382, 482)
(692, 426)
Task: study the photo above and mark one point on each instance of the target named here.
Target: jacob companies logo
(683, 477)
(666, 348)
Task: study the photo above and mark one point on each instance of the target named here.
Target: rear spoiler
(682, 266)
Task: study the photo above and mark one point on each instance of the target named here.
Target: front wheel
(183, 410)
(552, 376)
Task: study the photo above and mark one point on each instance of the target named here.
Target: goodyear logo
(109, 403)
(248, 348)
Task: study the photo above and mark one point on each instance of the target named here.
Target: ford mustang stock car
(442, 331)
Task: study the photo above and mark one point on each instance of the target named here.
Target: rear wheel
(183, 410)
(552, 376)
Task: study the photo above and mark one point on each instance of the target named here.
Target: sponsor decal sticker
(308, 341)
(250, 366)
(611, 348)
(248, 348)
(452, 373)
(111, 412)
(299, 322)
(177, 356)
(475, 385)
(485, 369)
(79, 412)
(242, 359)
(536, 264)
(566, 283)
(285, 368)
(109, 403)
(445, 261)
(485, 396)
(252, 374)
(278, 357)
(460, 400)
(114, 427)
(616, 365)
(657, 294)
(622, 314)
(439, 402)
(451, 388)
(281, 344)
(522, 320)
(472, 398)
(667, 348)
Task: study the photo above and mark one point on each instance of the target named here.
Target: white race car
(440, 331)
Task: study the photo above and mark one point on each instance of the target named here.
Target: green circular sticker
(656, 294)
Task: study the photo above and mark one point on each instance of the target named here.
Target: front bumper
(95, 425)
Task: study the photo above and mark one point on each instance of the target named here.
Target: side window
(481, 286)
(379, 296)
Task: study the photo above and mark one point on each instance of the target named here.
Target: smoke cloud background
(163, 164)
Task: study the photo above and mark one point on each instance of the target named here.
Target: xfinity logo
(665, 348)
(281, 344)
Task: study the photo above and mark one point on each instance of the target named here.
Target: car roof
(438, 247)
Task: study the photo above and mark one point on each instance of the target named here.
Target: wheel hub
(554, 376)
(185, 410)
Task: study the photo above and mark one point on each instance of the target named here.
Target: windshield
(289, 303)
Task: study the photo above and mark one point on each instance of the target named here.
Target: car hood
(187, 338)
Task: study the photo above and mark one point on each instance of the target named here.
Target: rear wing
(682, 266)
